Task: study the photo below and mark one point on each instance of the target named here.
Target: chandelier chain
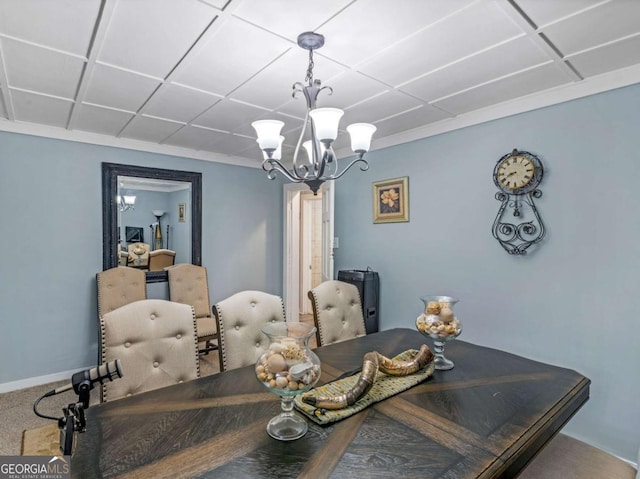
(309, 77)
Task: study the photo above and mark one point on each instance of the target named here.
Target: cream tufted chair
(337, 312)
(159, 259)
(119, 286)
(240, 319)
(156, 343)
(188, 284)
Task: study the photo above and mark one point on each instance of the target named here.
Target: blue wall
(52, 245)
(573, 302)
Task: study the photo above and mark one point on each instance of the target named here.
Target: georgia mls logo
(35, 467)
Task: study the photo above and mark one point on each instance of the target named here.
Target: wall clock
(518, 224)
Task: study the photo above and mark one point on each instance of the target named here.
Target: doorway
(310, 247)
(308, 242)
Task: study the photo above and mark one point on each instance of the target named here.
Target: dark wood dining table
(486, 418)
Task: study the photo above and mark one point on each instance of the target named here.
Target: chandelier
(126, 202)
(320, 163)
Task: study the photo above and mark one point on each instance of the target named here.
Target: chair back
(156, 343)
(160, 259)
(337, 312)
(240, 318)
(188, 284)
(119, 286)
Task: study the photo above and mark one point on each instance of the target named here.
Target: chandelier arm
(278, 167)
(296, 168)
(363, 167)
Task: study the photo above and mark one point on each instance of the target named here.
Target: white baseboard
(39, 380)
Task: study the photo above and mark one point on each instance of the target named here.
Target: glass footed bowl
(439, 323)
(288, 368)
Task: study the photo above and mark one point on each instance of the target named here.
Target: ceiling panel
(40, 109)
(65, 25)
(141, 26)
(179, 103)
(118, 88)
(514, 86)
(41, 70)
(443, 43)
(349, 37)
(596, 26)
(105, 121)
(150, 129)
(196, 73)
(423, 115)
(542, 12)
(227, 115)
(232, 145)
(388, 104)
(493, 63)
(231, 57)
(193, 137)
(608, 58)
(300, 17)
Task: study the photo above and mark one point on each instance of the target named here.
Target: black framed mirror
(112, 176)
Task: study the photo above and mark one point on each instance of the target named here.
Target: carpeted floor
(16, 407)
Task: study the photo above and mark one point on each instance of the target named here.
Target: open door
(291, 277)
(327, 230)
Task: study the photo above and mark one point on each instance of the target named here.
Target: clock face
(518, 172)
(515, 172)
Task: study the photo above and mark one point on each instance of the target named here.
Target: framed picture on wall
(391, 200)
(182, 212)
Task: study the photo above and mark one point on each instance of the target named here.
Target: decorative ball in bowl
(287, 368)
(440, 324)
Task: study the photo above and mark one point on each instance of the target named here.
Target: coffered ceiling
(187, 77)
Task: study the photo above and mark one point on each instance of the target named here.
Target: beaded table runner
(384, 387)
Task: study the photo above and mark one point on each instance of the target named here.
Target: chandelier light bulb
(308, 147)
(276, 155)
(268, 132)
(326, 121)
(361, 134)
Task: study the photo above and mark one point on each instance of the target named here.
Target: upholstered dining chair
(119, 286)
(155, 341)
(337, 312)
(160, 259)
(188, 284)
(567, 458)
(240, 319)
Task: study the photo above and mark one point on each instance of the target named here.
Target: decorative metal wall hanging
(517, 176)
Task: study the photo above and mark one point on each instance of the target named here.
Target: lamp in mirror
(157, 235)
(321, 163)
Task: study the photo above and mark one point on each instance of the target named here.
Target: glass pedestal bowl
(440, 324)
(288, 368)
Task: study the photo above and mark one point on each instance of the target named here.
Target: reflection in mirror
(151, 218)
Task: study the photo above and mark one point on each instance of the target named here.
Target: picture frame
(182, 212)
(391, 200)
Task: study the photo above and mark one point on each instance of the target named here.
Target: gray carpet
(16, 407)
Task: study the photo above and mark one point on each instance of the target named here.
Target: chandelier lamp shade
(126, 202)
(320, 163)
